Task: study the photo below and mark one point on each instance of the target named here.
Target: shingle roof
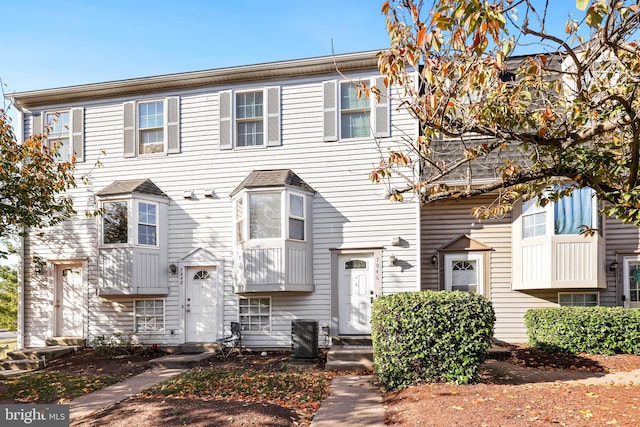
(140, 186)
(273, 178)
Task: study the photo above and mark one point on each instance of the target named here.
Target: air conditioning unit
(304, 339)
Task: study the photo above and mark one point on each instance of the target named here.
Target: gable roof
(464, 242)
(272, 178)
(139, 186)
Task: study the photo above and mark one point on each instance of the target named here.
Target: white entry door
(200, 304)
(355, 293)
(631, 282)
(68, 302)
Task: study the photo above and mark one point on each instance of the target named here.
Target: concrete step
(13, 372)
(498, 353)
(180, 360)
(345, 340)
(349, 365)
(38, 353)
(206, 347)
(66, 341)
(350, 353)
(21, 365)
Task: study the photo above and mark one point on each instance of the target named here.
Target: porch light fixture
(173, 268)
(434, 259)
(613, 267)
(392, 261)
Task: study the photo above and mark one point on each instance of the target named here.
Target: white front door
(200, 304)
(631, 282)
(464, 272)
(355, 293)
(68, 303)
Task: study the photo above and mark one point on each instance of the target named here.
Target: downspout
(19, 132)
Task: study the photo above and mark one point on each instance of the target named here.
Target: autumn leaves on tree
(566, 114)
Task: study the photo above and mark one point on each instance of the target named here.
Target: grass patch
(301, 391)
(45, 387)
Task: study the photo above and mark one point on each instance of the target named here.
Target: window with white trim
(115, 222)
(59, 134)
(296, 217)
(355, 112)
(149, 316)
(147, 223)
(249, 119)
(569, 215)
(270, 215)
(578, 299)
(255, 314)
(151, 123)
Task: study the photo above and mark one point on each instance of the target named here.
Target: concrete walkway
(352, 401)
(108, 396)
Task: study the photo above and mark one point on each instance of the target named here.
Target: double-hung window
(347, 115)
(58, 137)
(355, 116)
(147, 223)
(296, 217)
(249, 119)
(151, 127)
(534, 219)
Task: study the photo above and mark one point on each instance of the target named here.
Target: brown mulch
(525, 400)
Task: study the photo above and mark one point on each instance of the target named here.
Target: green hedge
(430, 337)
(596, 330)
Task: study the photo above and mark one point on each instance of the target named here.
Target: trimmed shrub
(430, 337)
(595, 330)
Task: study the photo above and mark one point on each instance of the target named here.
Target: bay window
(264, 215)
(550, 248)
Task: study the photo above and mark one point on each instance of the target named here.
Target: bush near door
(430, 337)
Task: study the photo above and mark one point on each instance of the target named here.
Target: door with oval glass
(355, 293)
(464, 272)
(200, 304)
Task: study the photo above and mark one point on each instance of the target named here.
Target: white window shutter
(77, 133)
(226, 120)
(173, 124)
(382, 111)
(273, 116)
(330, 110)
(130, 129)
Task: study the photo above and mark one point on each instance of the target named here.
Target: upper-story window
(59, 133)
(355, 121)
(265, 218)
(569, 215)
(249, 118)
(151, 127)
(347, 116)
(116, 219)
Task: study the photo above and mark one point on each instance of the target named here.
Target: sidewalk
(108, 396)
(353, 401)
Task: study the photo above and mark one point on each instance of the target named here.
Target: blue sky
(67, 42)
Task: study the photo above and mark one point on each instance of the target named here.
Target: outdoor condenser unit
(304, 339)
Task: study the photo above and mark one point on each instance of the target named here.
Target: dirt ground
(524, 399)
(498, 400)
